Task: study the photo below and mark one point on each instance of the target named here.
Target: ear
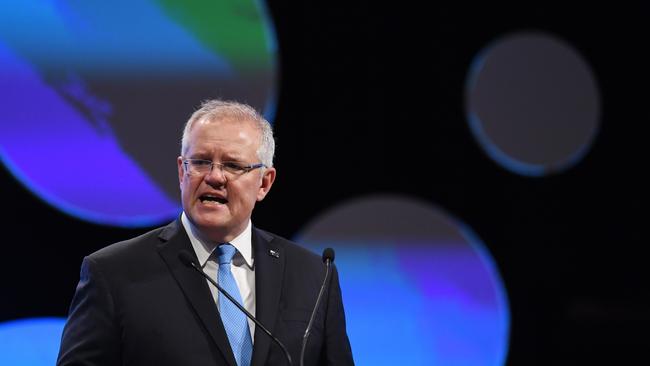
(267, 181)
(181, 171)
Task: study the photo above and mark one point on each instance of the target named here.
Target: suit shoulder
(129, 248)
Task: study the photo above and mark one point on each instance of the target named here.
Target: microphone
(187, 260)
(328, 258)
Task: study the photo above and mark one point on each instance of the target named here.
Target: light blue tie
(234, 320)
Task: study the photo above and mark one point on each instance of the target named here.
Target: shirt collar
(204, 248)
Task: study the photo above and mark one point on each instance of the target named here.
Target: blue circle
(533, 103)
(30, 342)
(94, 98)
(420, 274)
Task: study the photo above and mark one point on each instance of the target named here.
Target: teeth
(208, 198)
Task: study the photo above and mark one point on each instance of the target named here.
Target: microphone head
(328, 254)
(186, 258)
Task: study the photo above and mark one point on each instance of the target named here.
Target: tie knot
(226, 252)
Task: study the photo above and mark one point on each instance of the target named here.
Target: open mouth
(207, 198)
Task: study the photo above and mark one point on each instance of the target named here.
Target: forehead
(231, 135)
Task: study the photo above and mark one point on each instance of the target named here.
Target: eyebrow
(204, 155)
(200, 155)
(235, 157)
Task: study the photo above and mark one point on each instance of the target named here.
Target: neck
(214, 235)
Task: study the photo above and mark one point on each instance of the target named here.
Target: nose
(216, 176)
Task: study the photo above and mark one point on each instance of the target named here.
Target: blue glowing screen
(94, 95)
(418, 287)
(30, 342)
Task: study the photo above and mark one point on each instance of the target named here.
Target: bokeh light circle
(94, 98)
(30, 342)
(533, 103)
(419, 287)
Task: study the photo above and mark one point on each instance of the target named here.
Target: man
(137, 303)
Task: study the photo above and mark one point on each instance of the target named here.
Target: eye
(233, 167)
(200, 162)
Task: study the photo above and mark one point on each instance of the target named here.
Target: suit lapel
(194, 286)
(269, 268)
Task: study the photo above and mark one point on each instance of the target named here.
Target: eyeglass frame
(222, 165)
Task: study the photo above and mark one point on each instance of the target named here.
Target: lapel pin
(273, 253)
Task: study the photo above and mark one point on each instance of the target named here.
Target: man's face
(225, 215)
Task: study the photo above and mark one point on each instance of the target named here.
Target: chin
(210, 223)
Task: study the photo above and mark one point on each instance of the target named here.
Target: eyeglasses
(230, 169)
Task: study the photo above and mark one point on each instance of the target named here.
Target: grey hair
(220, 109)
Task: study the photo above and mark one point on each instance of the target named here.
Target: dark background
(371, 100)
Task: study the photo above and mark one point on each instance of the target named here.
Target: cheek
(247, 194)
(189, 186)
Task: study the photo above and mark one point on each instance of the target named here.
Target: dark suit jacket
(138, 304)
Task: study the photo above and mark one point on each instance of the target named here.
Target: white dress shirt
(242, 264)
